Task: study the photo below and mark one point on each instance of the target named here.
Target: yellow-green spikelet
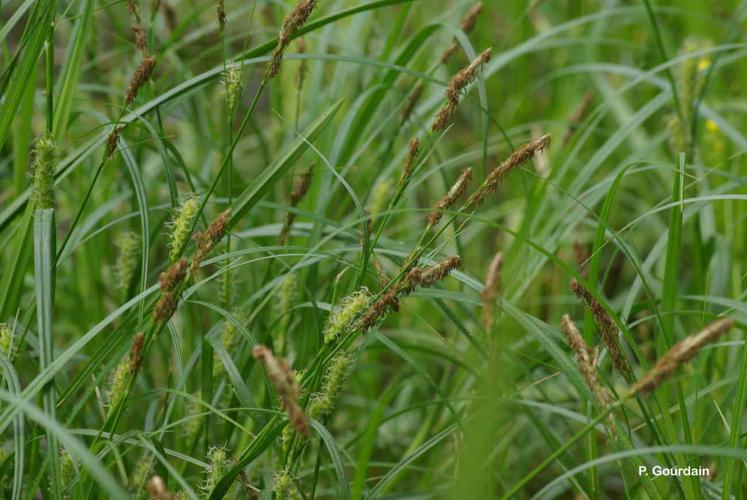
(344, 316)
(335, 380)
(181, 225)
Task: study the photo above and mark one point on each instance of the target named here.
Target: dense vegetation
(372, 248)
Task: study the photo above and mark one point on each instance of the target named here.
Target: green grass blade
(44, 256)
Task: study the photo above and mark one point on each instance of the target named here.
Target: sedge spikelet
(413, 149)
(458, 83)
(133, 8)
(207, 239)
(411, 102)
(118, 385)
(229, 339)
(181, 225)
(218, 463)
(170, 281)
(607, 329)
(284, 304)
(220, 10)
(284, 487)
(680, 353)
(111, 142)
(128, 250)
(291, 24)
(139, 78)
(125, 371)
(140, 474)
(380, 197)
(68, 467)
(454, 193)
(415, 277)
(584, 360)
(232, 84)
(301, 186)
(469, 21)
(520, 156)
(44, 168)
(283, 380)
(343, 317)
(6, 340)
(490, 290)
(335, 379)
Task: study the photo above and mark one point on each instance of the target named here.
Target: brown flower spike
(415, 277)
(490, 291)
(456, 191)
(584, 359)
(468, 24)
(411, 102)
(607, 329)
(291, 24)
(142, 74)
(282, 379)
(412, 153)
(520, 156)
(300, 188)
(681, 353)
(457, 85)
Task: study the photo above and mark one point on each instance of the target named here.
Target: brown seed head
(411, 102)
(207, 239)
(414, 278)
(581, 255)
(490, 290)
(220, 9)
(583, 359)
(170, 14)
(469, 21)
(457, 85)
(283, 379)
(291, 24)
(456, 191)
(520, 156)
(173, 276)
(164, 308)
(111, 141)
(300, 188)
(607, 329)
(133, 8)
(468, 24)
(679, 354)
(437, 272)
(136, 353)
(142, 74)
(413, 149)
